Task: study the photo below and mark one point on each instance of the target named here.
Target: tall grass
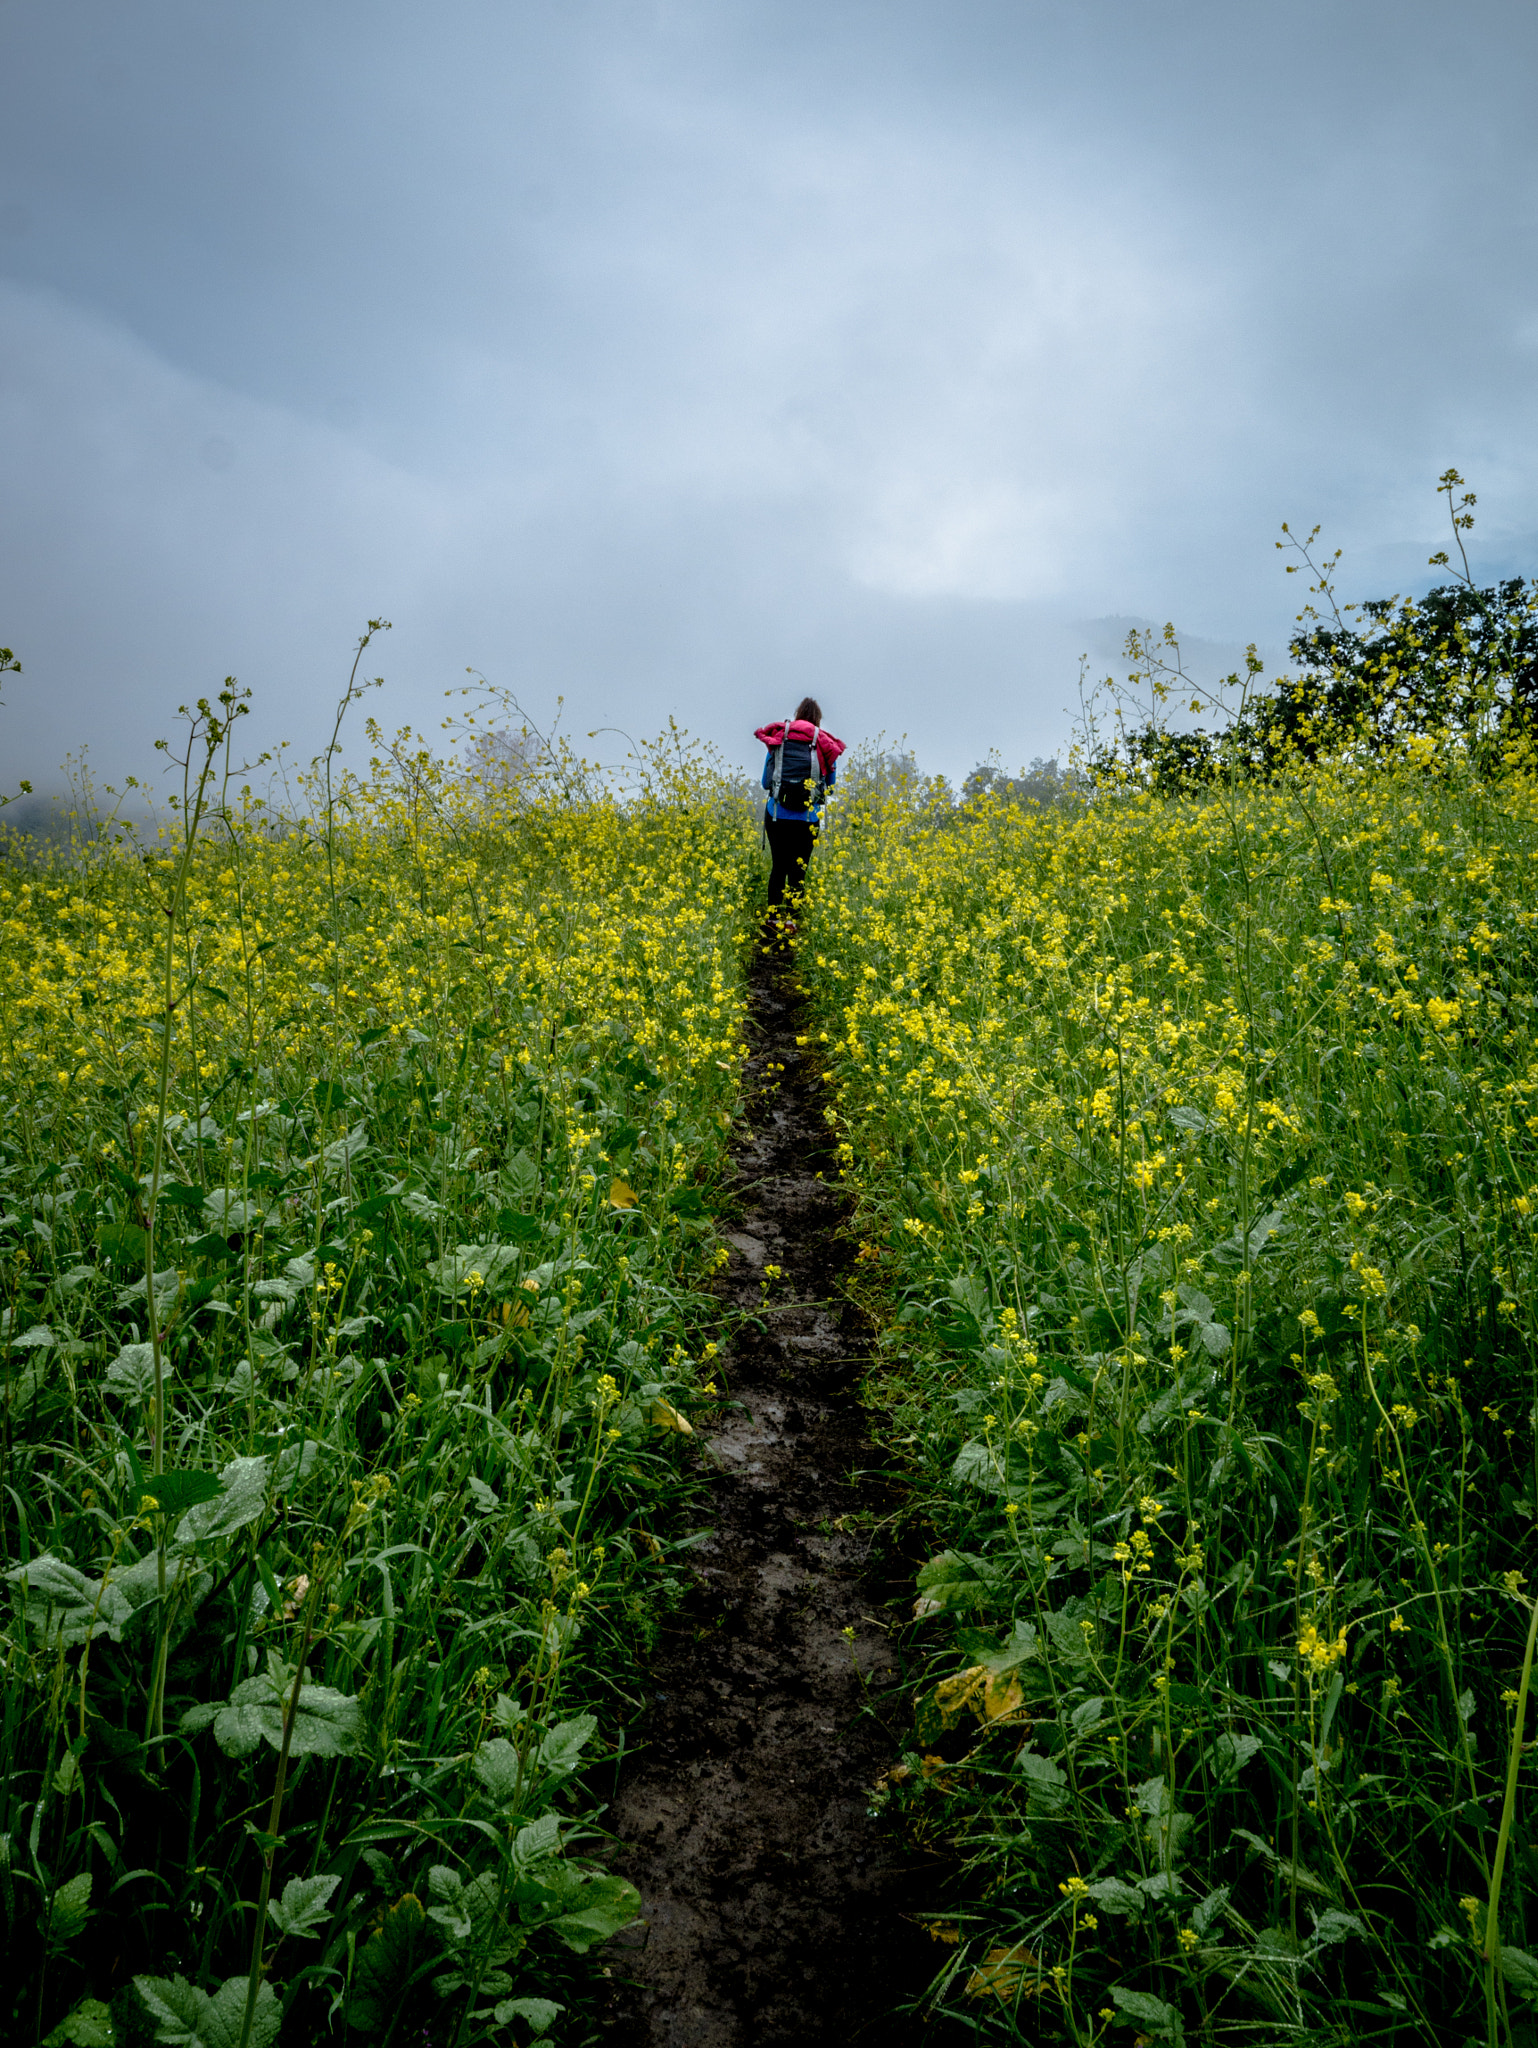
(1195, 1149)
(356, 1166)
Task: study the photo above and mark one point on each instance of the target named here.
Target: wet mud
(775, 1908)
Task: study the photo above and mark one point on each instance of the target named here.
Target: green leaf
(186, 2017)
(1203, 1915)
(240, 1500)
(520, 1177)
(955, 1580)
(1230, 1753)
(1520, 1971)
(122, 1243)
(132, 1372)
(562, 1747)
(69, 1911)
(384, 1967)
(230, 1210)
(88, 2026)
(1334, 1925)
(494, 1263)
(1117, 1897)
(1048, 1785)
(1160, 2021)
(604, 1905)
(978, 1464)
(452, 1914)
(65, 1606)
(541, 1838)
(175, 1492)
(328, 1723)
(540, 2013)
(496, 1765)
(303, 1909)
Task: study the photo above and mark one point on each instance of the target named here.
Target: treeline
(1460, 662)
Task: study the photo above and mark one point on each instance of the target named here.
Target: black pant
(790, 848)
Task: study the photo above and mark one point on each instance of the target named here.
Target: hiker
(799, 771)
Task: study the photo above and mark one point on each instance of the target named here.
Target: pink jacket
(828, 748)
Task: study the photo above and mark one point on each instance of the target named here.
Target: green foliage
(1196, 1148)
(309, 1639)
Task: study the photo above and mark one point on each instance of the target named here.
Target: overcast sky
(680, 356)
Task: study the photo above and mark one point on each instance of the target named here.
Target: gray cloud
(680, 357)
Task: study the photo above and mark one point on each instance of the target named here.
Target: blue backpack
(797, 783)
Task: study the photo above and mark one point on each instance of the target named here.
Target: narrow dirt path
(774, 1909)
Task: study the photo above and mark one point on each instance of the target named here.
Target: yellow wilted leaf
(1002, 1697)
(666, 1416)
(942, 1930)
(1003, 1973)
(952, 1695)
(515, 1315)
(621, 1194)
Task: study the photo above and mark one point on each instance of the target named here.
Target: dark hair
(810, 708)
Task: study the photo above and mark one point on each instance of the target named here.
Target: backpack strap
(779, 767)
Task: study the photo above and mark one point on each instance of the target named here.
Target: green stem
(1492, 1949)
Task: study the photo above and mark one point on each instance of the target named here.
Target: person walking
(800, 767)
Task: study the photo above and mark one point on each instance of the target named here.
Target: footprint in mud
(774, 1909)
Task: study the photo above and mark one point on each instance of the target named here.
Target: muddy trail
(775, 1910)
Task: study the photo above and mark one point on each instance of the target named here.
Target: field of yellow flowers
(354, 1171)
(1194, 1147)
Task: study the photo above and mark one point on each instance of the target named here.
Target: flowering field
(353, 1171)
(1194, 1142)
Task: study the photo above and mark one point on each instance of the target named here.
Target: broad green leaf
(540, 2013)
(39, 1338)
(604, 1905)
(230, 1211)
(1159, 2021)
(328, 1723)
(1068, 1637)
(1117, 1897)
(1203, 1915)
(295, 1463)
(1230, 1753)
(539, 1839)
(132, 1372)
(65, 1606)
(88, 2026)
(447, 1888)
(175, 1492)
(303, 1908)
(953, 1581)
(562, 1747)
(578, 1908)
(383, 1968)
(978, 1464)
(69, 1911)
(520, 1177)
(240, 1500)
(168, 1285)
(1520, 1971)
(1334, 1925)
(496, 1765)
(186, 2017)
(1048, 1785)
(493, 1262)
